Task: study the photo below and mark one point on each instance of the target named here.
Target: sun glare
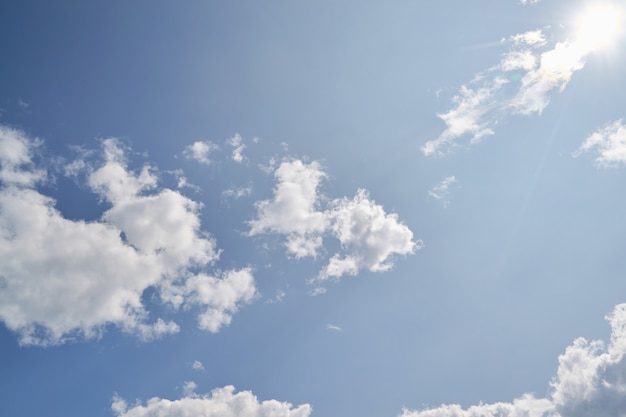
(598, 25)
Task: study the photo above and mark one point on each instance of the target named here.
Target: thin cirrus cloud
(590, 381)
(220, 402)
(441, 191)
(520, 83)
(370, 238)
(63, 279)
(607, 144)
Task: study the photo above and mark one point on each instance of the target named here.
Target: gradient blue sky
(357, 208)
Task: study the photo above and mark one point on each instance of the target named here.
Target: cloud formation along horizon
(590, 382)
(64, 279)
(220, 402)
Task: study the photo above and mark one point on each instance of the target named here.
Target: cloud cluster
(520, 83)
(64, 278)
(608, 143)
(369, 236)
(221, 402)
(590, 382)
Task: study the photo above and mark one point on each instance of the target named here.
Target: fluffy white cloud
(62, 278)
(590, 382)
(16, 167)
(440, 191)
(221, 402)
(294, 210)
(369, 237)
(608, 143)
(221, 296)
(520, 83)
(199, 151)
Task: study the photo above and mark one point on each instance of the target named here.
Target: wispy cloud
(440, 191)
(589, 382)
(237, 193)
(520, 83)
(608, 144)
(333, 328)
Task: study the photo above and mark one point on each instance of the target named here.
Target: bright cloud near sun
(527, 74)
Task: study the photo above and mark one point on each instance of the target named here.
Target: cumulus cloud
(221, 402)
(238, 148)
(63, 279)
(608, 144)
(520, 83)
(590, 382)
(199, 151)
(197, 365)
(294, 210)
(440, 191)
(369, 237)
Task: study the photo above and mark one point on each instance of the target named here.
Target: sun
(599, 25)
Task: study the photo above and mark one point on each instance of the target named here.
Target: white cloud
(440, 191)
(197, 365)
(221, 402)
(63, 279)
(520, 83)
(199, 151)
(294, 209)
(189, 389)
(16, 167)
(238, 148)
(590, 382)
(608, 143)
(333, 328)
(221, 296)
(529, 1)
(369, 237)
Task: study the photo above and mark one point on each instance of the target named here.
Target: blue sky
(312, 209)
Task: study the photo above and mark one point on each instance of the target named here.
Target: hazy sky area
(313, 209)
